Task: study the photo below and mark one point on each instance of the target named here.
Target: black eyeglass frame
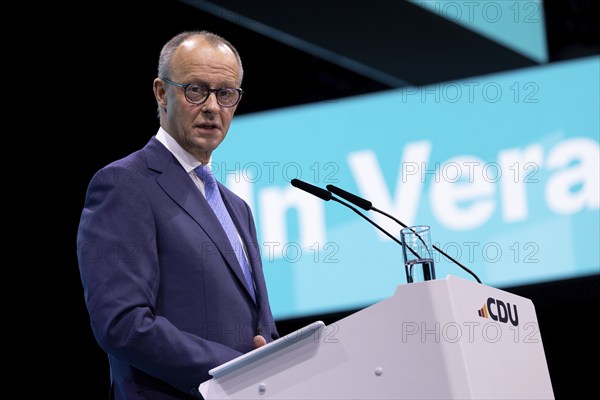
(185, 87)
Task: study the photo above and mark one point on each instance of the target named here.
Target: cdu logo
(499, 311)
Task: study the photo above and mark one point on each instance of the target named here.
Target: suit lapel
(175, 181)
(252, 251)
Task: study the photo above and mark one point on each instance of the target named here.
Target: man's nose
(211, 103)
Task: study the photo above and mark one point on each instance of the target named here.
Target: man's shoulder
(129, 165)
(133, 167)
(140, 159)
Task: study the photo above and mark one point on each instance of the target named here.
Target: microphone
(314, 190)
(367, 205)
(326, 195)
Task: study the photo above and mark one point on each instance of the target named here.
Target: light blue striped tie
(213, 196)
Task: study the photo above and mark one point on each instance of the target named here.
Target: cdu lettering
(502, 312)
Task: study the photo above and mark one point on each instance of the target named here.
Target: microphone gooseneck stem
(434, 246)
(374, 224)
(367, 205)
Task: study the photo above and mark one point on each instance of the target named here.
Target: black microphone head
(354, 199)
(314, 190)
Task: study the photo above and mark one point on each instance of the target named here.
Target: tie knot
(204, 172)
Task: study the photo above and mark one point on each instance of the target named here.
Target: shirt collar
(187, 161)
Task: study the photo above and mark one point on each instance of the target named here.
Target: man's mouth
(207, 126)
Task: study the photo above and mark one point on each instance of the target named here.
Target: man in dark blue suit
(164, 286)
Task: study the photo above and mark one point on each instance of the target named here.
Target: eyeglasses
(197, 93)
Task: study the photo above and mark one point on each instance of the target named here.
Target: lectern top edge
(270, 348)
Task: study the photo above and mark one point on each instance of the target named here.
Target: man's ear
(160, 93)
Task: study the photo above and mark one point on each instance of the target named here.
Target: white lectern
(443, 339)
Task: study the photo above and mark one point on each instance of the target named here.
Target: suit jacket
(166, 295)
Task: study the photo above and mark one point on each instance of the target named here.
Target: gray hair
(166, 54)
